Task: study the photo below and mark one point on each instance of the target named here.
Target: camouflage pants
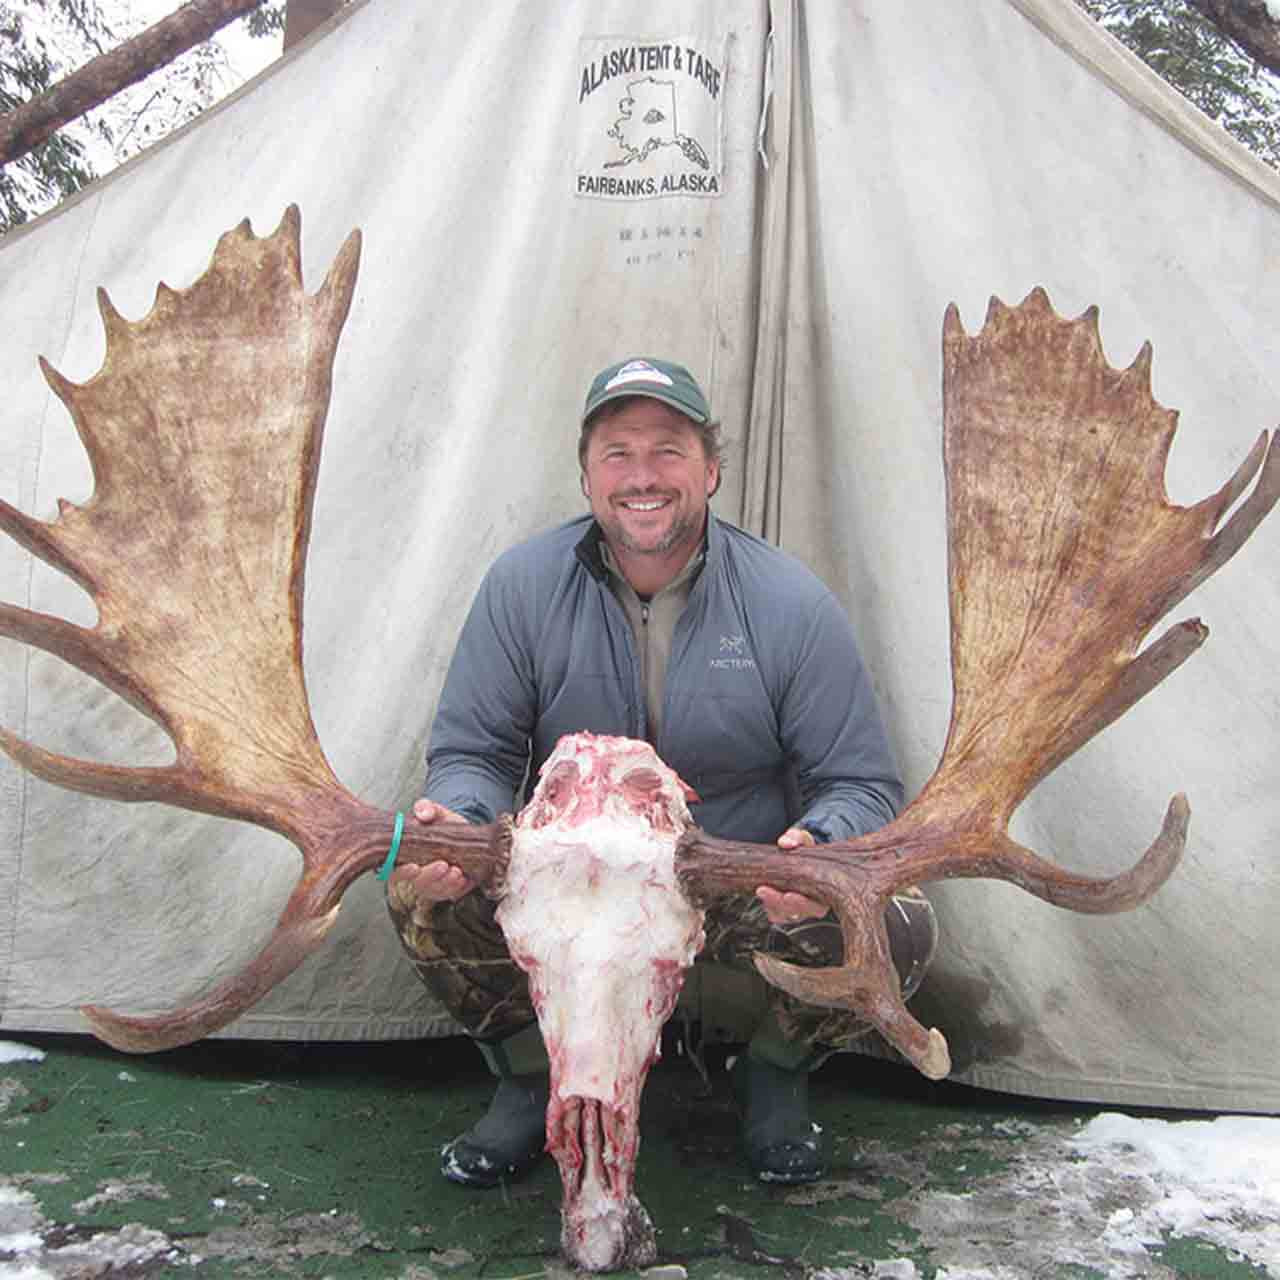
(459, 952)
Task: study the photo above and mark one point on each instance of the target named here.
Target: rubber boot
(782, 1144)
(507, 1141)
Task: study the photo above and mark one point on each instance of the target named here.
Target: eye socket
(559, 784)
(644, 781)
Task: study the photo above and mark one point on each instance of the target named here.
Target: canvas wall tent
(831, 176)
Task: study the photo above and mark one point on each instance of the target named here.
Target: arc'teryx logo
(733, 655)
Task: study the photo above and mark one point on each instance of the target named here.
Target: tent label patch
(649, 118)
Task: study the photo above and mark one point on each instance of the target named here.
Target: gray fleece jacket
(768, 712)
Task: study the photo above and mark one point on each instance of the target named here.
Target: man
(650, 618)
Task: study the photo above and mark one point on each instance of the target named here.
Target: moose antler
(203, 428)
(1063, 553)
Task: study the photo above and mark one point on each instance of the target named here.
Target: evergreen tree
(43, 41)
(29, 64)
(1178, 42)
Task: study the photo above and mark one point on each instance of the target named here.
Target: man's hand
(434, 881)
(788, 908)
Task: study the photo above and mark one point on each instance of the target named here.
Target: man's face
(648, 479)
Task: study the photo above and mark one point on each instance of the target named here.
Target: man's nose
(642, 473)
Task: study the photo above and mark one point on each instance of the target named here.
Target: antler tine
(82, 648)
(1063, 552)
(1232, 536)
(300, 929)
(857, 878)
(1217, 503)
(37, 537)
(203, 429)
(359, 841)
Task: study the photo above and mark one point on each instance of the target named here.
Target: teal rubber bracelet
(384, 871)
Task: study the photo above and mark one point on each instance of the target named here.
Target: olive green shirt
(653, 623)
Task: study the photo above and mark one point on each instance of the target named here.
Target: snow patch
(12, 1051)
(22, 1228)
(132, 1246)
(896, 1269)
(1215, 1180)
(20, 1221)
(1108, 1196)
(120, 1191)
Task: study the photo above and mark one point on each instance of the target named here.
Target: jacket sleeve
(830, 726)
(479, 747)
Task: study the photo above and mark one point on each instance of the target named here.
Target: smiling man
(652, 618)
(648, 479)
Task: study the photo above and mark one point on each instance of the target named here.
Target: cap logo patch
(638, 371)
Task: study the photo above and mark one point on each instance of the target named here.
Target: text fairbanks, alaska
(704, 184)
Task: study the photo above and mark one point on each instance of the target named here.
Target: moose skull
(595, 917)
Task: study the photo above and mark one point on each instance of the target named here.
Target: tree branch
(302, 17)
(27, 126)
(1250, 24)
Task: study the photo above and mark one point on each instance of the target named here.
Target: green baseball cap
(673, 384)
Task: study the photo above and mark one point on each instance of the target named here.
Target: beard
(686, 528)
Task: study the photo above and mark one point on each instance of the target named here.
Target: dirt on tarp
(232, 1159)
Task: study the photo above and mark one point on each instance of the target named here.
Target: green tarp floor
(252, 1159)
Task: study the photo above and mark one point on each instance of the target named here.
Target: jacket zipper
(644, 666)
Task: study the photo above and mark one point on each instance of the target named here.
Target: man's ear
(582, 483)
(713, 477)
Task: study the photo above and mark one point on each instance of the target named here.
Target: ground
(242, 1159)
